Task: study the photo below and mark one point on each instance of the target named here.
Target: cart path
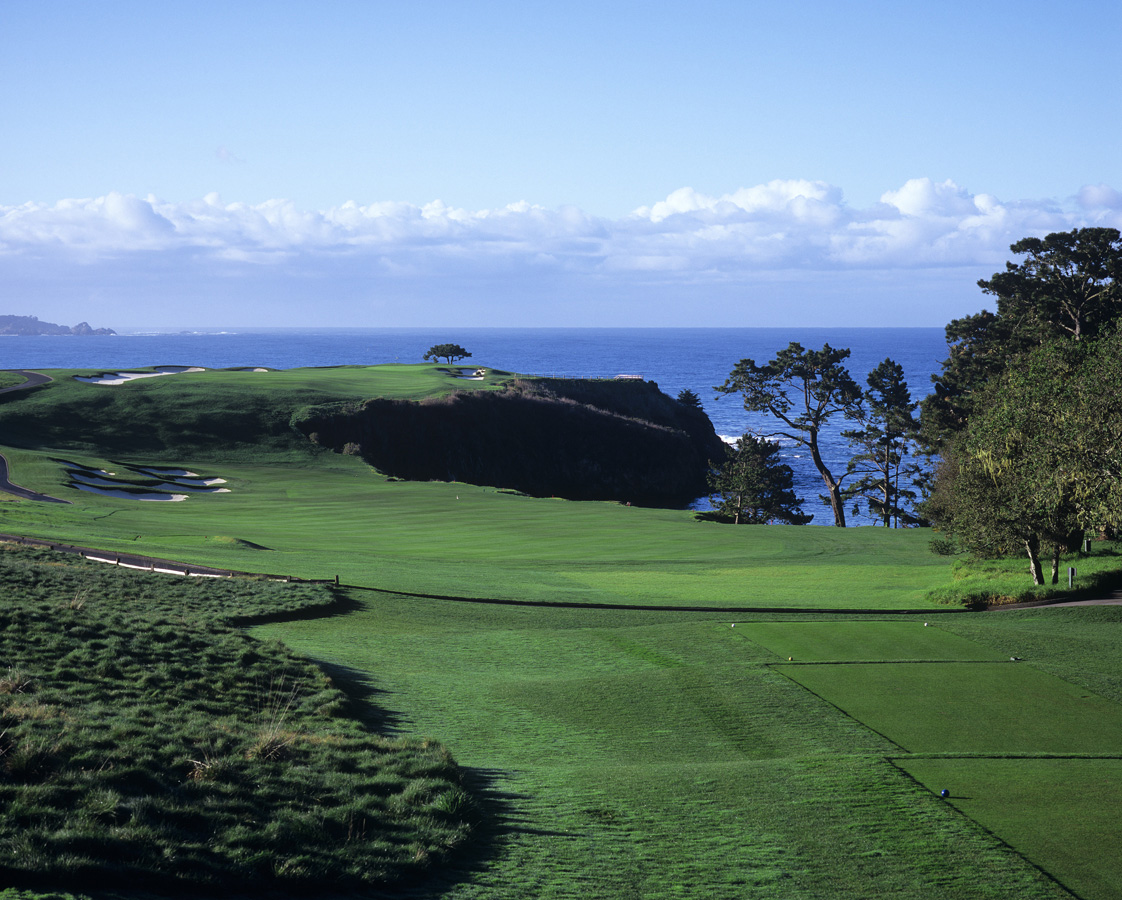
(34, 379)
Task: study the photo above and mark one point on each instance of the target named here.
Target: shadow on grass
(498, 818)
(365, 699)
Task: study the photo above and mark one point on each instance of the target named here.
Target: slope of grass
(212, 414)
(983, 582)
(1061, 813)
(331, 515)
(658, 754)
(144, 743)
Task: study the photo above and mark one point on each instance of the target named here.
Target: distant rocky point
(31, 325)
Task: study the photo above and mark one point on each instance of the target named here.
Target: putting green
(972, 707)
(1062, 814)
(869, 641)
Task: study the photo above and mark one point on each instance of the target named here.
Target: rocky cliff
(28, 325)
(583, 440)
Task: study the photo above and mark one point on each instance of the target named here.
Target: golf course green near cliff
(497, 692)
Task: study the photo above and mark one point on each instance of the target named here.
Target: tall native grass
(146, 742)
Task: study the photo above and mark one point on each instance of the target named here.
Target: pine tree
(886, 466)
(754, 487)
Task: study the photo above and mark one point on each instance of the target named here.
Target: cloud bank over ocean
(741, 258)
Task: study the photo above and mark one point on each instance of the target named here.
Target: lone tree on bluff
(803, 389)
(449, 352)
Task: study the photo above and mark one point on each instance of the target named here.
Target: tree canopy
(885, 464)
(1066, 287)
(1040, 459)
(449, 352)
(803, 389)
(753, 487)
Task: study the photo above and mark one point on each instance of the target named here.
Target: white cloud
(794, 226)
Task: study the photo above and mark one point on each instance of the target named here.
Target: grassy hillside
(626, 739)
(654, 754)
(146, 743)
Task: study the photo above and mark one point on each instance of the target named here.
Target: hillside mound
(578, 439)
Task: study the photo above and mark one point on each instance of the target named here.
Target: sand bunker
(122, 377)
(170, 483)
(95, 480)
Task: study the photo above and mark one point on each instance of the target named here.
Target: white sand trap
(195, 482)
(95, 480)
(198, 490)
(130, 495)
(123, 377)
(174, 473)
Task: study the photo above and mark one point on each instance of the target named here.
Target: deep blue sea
(675, 358)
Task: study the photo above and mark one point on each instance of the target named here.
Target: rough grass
(144, 742)
(989, 582)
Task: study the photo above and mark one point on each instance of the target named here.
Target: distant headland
(25, 325)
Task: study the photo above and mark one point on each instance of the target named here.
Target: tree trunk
(836, 502)
(1032, 545)
(1056, 564)
(886, 512)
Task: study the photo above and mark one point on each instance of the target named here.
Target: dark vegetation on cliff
(579, 439)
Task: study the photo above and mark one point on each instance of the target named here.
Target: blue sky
(709, 163)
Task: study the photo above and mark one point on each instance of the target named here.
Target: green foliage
(753, 487)
(803, 389)
(886, 444)
(146, 742)
(1066, 288)
(449, 352)
(689, 398)
(1040, 461)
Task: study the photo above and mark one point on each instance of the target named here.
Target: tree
(803, 389)
(689, 398)
(1066, 287)
(885, 442)
(753, 486)
(1040, 460)
(450, 352)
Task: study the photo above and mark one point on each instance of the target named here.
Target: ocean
(675, 358)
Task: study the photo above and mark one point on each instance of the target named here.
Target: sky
(471, 163)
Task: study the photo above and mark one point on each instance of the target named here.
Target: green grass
(988, 582)
(851, 641)
(1060, 813)
(659, 754)
(989, 708)
(146, 743)
(324, 514)
(332, 515)
(620, 751)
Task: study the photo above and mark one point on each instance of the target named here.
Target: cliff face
(583, 440)
(30, 325)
